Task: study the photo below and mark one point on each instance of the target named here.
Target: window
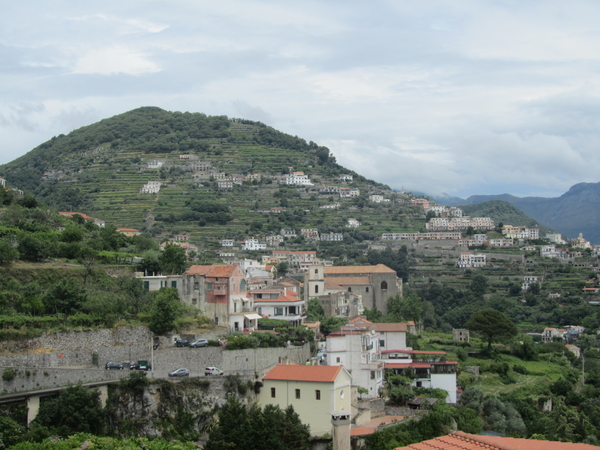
(146, 285)
(349, 289)
(243, 285)
(316, 272)
(279, 311)
(367, 289)
(196, 286)
(384, 285)
(194, 301)
(372, 375)
(209, 286)
(292, 310)
(234, 307)
(317, 395)
(381, 343)
(174, 284)
(272, 392)
(338, 359)
(316, 289)
(298, 393)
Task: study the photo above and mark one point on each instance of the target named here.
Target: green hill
(99, 170)
(503, 212)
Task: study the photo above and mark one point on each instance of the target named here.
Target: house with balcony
(219, 291)
(281, 304)
(429, 369)
(332, 236)
(151, 187)
(356, 347)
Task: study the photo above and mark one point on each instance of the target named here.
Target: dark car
(199, 343)
(182, 343)
(181, 372)
(113, 366)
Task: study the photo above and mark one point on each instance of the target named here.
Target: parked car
(181, 372)
(212, 371)
(141, 365)
(199, 343)
(113, 366)
(182, 343)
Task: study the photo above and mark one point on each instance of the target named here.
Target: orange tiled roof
(216, 270)
(361, 431)
(390, 326)
(287, 297)
(379, 268)
(71, 214)
(321, 374)
(460, 441)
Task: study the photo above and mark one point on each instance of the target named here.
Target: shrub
(9, 374)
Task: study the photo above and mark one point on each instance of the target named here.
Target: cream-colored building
(315, 392)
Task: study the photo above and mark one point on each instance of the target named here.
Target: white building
(469, 260)
(353, 223)
(253, 244)
(226, 242)
(279, 304)
(429, 367)
(376, 198)
(151, 187)
(298, 178)
(332, 237)
(356, 347)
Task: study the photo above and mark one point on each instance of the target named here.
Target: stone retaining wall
(38, 379)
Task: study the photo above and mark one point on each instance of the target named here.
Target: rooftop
(461, 441)
(321, 374)
(379, 268)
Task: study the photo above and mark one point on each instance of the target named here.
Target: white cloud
(114, 60)
(469, 97)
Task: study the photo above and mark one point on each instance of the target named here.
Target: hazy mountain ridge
(576, 211)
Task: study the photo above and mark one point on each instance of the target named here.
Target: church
(375, 284)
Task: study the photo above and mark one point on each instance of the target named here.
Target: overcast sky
(458, 97)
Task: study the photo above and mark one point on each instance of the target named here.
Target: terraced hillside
(100, 169)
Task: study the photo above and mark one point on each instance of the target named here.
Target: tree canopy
(492, 324)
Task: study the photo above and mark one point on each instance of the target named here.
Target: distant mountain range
(576, 211)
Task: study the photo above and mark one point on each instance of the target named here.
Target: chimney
(341, 430)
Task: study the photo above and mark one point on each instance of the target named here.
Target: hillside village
(305, 284)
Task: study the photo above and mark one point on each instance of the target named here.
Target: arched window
(243, 285)
(316, 288)
(316, 271)
(384, 285)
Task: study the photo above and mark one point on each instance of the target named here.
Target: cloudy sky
(459, 97)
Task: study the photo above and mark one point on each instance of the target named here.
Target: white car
(212, 371)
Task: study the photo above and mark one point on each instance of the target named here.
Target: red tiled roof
(415, 352)
(396, 365)
(288, 297)
(345, 281)
(216, 271)
(390, 326)
(379, 268)
(461, 441)
(321, 374)
(71, 214)
(361, 431)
